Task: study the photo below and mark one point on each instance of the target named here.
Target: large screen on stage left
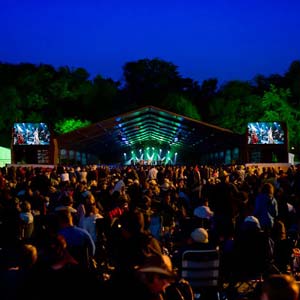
(31, 134)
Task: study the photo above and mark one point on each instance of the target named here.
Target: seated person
(197, 240)
(203, 214)
(253, 250)
(149, 280)
(280, 287)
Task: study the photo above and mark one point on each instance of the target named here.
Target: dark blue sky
(222, 39)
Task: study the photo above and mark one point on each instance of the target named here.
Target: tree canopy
(35, 93)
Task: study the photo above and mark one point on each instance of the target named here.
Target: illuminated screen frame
(266, 133)
(31, 134)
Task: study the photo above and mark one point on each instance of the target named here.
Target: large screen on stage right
(266, 133)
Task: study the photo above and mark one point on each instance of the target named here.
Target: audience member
(80, 243)
(280, 287)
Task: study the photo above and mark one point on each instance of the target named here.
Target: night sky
(226, 40)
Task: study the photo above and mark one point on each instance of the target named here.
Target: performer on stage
(270, 136)
(36, 139)
(254, 137)
(20, 139)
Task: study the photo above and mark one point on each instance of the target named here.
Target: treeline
(36, 93)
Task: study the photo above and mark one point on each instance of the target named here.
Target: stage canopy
(152, 128)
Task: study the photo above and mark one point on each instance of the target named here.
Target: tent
(151, 134)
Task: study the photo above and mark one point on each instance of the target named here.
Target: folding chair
(252, 261)
(201, 268)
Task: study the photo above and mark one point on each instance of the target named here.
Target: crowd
(121, 231)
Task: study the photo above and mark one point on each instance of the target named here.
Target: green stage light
(153, 155)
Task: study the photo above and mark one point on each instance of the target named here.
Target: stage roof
(148, 126)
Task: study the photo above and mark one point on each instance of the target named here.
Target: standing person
(152, 173)
(89, 221)
(80, 243)
(254, 137)
(194, 185)
(20, 139)
(36, 139)
(270, 136)
(223, 199)
(266, 207)
(26, 221)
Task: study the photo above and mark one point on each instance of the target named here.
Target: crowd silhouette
(97, 228)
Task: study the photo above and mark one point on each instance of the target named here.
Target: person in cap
(253, 250)
(147, 281)
(198, 239)
(162, 281)
(166, 186)
(157, 273)
(251, 223)
(203, 214)
(200, 235)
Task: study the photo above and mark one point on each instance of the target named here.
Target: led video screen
(31, 134)
(266, 133)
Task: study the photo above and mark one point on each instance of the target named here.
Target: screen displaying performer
(31, 134)
(266, 133)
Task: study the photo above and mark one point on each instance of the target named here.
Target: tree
(9, 107)
(181, 105)
(150, 81)
(68, 94)
(293, 78)
(68, 125)
(234, 106)
(276, 107)
(102, 101)
(262, 83)
(208, 91)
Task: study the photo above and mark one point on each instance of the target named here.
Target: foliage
(9, 103)
(102, 99)
(65, 96)
(68, 125)
(181, 105)
(276, 107)
(234, 106)
(208, 91)
(34, 93)
(151, 81)
(292, 77)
